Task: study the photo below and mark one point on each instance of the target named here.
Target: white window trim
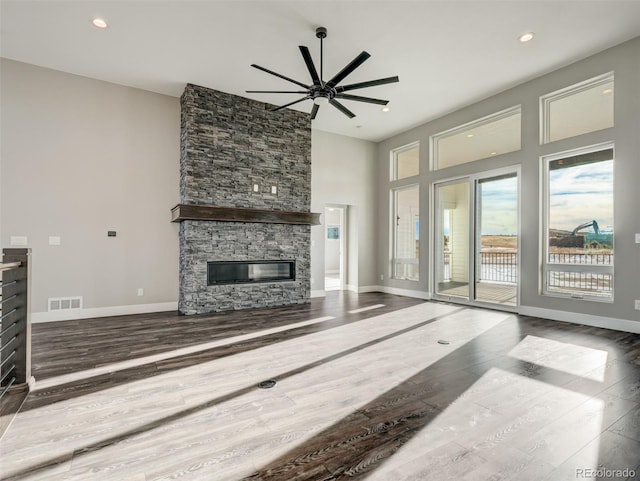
(546, 100)
(435, 139)
(546, 267)
(393, 157)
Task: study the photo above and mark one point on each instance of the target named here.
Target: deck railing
(502, 267)
(499, 267)
(15, 326)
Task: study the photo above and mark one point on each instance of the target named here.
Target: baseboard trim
(396, 291)
(586, 319)
(318, 293)
(92, 312)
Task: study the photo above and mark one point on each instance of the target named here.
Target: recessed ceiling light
(526, 37)
(494, 153)
(99, 22)
(385, 109)
(607, 91)
(469, 136)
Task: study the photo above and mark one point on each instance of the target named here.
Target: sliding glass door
(496, 246)
(452, 239)
(476, 244)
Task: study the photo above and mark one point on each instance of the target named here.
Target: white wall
(80, 157)
(331, 246)
(343, 171)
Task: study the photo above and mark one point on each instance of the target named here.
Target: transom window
(489, 136)
(405, 161)
(578, 109)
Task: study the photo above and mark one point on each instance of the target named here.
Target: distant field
(507, 242)
(499, 242)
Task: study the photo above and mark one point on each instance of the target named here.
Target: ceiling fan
(322, 92)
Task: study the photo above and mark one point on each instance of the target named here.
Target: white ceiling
(448, 54)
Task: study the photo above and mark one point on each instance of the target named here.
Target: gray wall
(625, 61)
(80, 157)
(343, 171)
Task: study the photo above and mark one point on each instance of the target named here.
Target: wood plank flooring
(364, 391)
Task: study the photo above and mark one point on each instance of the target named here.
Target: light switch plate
(274, 189)
(637, 238)
(637, 304)
(18, 240)
(256, 188)
(54, 240)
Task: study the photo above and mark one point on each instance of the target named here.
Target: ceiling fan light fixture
(320, 100)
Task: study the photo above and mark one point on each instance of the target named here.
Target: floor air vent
(64, 303)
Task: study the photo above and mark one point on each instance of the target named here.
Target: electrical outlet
(140, 291)
(274, 189)
(637, 304)
(256, 188)
(381, 277)
(54, 240)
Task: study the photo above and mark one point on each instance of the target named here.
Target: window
(579, 256)
(405, 162)
(496, 134)
(579, 109)
(406, 238)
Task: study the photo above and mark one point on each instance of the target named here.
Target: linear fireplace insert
(244, 272)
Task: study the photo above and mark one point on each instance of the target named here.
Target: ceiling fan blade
(342, 108)
(290, 103)
(314, 111)
(310, 66)
(278, 75)
(370, 83)
(354, 64)
(275, 91)
(357, 98)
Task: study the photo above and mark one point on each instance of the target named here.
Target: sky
(581, 194)
(498, 207)
(577, 194)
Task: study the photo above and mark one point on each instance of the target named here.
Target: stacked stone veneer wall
(228, 144)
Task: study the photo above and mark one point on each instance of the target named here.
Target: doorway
(477, 238)
(335, 247)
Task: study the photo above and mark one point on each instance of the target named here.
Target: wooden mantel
(232, 214)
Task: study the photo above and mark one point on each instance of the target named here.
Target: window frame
(547, 99)
(545, 266)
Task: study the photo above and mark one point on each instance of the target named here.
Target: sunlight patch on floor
(566, 357)
(533, 433)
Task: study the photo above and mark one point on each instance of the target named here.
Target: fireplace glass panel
(241, 272)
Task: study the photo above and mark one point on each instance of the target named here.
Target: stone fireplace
(245, 194)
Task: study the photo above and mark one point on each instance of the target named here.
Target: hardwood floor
(364, 391)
